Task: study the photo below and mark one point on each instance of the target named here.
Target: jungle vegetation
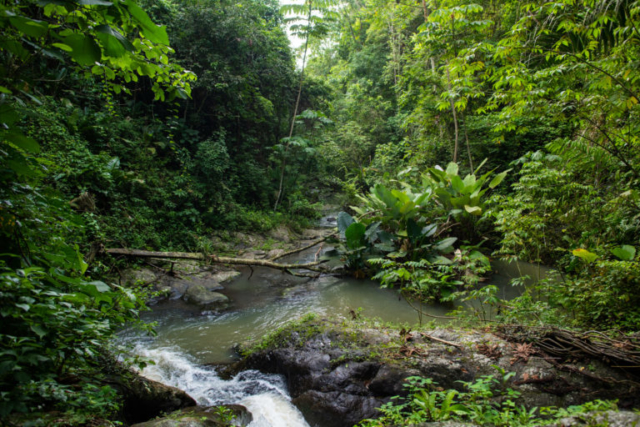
(453, 132)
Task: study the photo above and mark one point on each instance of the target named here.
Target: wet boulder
(225, 276)
(201, 416)
(202, 297)
(142, 276)
(144, 399)
(321, 408)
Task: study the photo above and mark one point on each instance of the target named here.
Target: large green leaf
(372, 232)
(470, 182)
(625, 252)
(354, 235)
(414, 231)
(112, 47)
(445, 244)
(385, 195)
(437, 174)
(150, 30)
(498, 179)
(30, 27)
(8, 115)
(114, 43)
(452, 169)
(429, 230)
(585, 255)
(85, 50)
(473, 210)
(24, 142)
(20, 166)
(457, 184)
(344, 221)
(100, 286)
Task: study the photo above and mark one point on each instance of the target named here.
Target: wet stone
(202, 297)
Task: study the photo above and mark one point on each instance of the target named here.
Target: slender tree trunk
(435, 90)
(455, 117)
(425, 11)
(295, 112)
(466, 138)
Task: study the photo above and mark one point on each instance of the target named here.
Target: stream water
(188, 342)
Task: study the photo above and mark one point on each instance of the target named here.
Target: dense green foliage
(486, 401)
(544, 89)
(117, 131)
(57, 322)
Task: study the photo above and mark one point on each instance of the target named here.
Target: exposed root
(554, 344)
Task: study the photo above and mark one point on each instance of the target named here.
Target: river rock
(281, 233)
(144, 399)
(274, 253)
(177, 287)
(606, 418)
(187, 267)
(225, 276)
(132, 276)
(201, 416)
(202, 297)
(339, 373)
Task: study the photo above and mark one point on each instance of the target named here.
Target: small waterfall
(264, 395)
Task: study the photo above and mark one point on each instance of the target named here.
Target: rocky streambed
(340, 372)
(336, 368)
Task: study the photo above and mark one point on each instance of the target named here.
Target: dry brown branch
(313, 266)
(295, 251)
(441, 341)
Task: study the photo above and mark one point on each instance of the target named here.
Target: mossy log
(312, 266)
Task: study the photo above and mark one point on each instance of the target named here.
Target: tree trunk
(466, 138)
(455, 117)
(295, 113)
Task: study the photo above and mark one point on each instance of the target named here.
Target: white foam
(270, 409)
(264, 395)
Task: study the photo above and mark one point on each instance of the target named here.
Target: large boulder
(142, 276)
(201, 416)
(339, 373)
(204, 298)
(282, 234)
(144, 399)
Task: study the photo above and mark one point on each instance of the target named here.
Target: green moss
(305, 327)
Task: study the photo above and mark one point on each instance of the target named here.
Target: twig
(458, 346)
(315, 258)
(295, 251)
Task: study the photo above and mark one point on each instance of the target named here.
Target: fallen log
(312, 266)
(153, 254)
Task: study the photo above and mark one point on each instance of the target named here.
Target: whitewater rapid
(264, 395)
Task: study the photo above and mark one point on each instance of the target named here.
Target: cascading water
(264, 395)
